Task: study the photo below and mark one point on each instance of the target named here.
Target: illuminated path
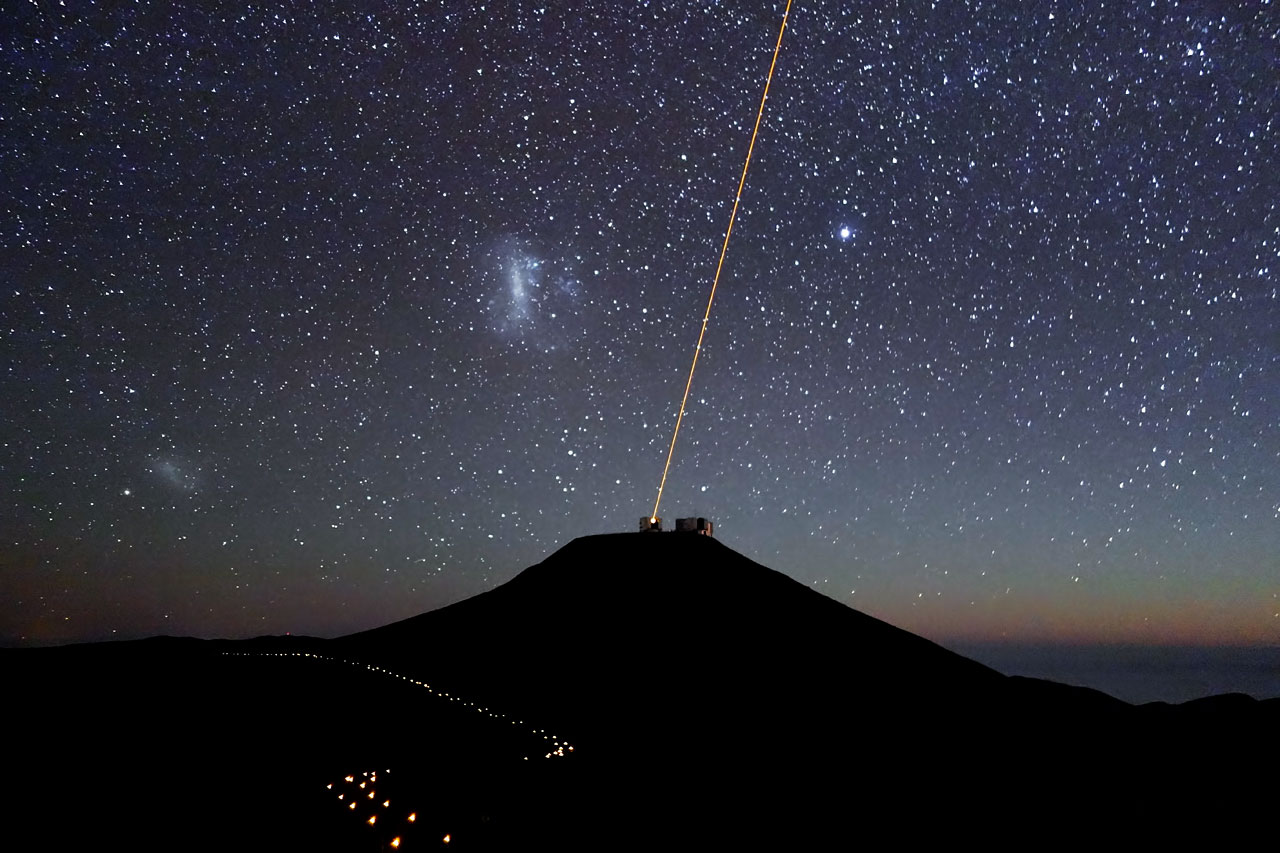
(398, 813)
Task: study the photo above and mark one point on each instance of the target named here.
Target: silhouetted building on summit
(653, 524)
(693, 525)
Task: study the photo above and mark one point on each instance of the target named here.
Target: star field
(318, 317)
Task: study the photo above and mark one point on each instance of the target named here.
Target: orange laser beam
(715, 281)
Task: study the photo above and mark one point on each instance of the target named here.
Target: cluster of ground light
(364, 789)
(358, 792)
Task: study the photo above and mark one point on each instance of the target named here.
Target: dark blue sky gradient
(317, 317)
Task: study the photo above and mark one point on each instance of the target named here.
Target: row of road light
(353, 790)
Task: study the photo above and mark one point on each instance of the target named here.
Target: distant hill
(709, 701)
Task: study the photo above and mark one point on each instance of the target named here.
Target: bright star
(845, 233)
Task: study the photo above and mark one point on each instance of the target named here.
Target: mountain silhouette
(630, 691)
(682, 667)
(613, 631)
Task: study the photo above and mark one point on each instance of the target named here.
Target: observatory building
(653, 524)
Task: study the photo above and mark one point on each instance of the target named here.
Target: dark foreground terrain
(631, 691)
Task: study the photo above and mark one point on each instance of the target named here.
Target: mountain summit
(620, 635)
(735, 701)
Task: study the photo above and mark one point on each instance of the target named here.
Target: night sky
(318, 316)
